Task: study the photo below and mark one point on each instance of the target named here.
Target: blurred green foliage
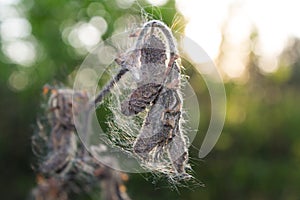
(256, 157)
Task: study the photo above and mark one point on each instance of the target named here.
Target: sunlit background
(217, 26)
(254, 44)
(234, 21)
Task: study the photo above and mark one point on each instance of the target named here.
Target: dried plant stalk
(67, 166)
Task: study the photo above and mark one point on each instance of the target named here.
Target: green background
(256, 157)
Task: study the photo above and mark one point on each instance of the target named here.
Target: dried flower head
(67, 166)
(152, 111)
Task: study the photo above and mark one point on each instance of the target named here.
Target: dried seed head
(140, 99)
(160, 143)
(63, 142)
(130, 61)
(153, 51)
(67, 165)
(62, 103)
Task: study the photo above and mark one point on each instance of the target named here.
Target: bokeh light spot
(18, 80)
(124, 4)
(13, 28)
(99, 23)
(88, 34)
(158, 2)
(20, 52)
